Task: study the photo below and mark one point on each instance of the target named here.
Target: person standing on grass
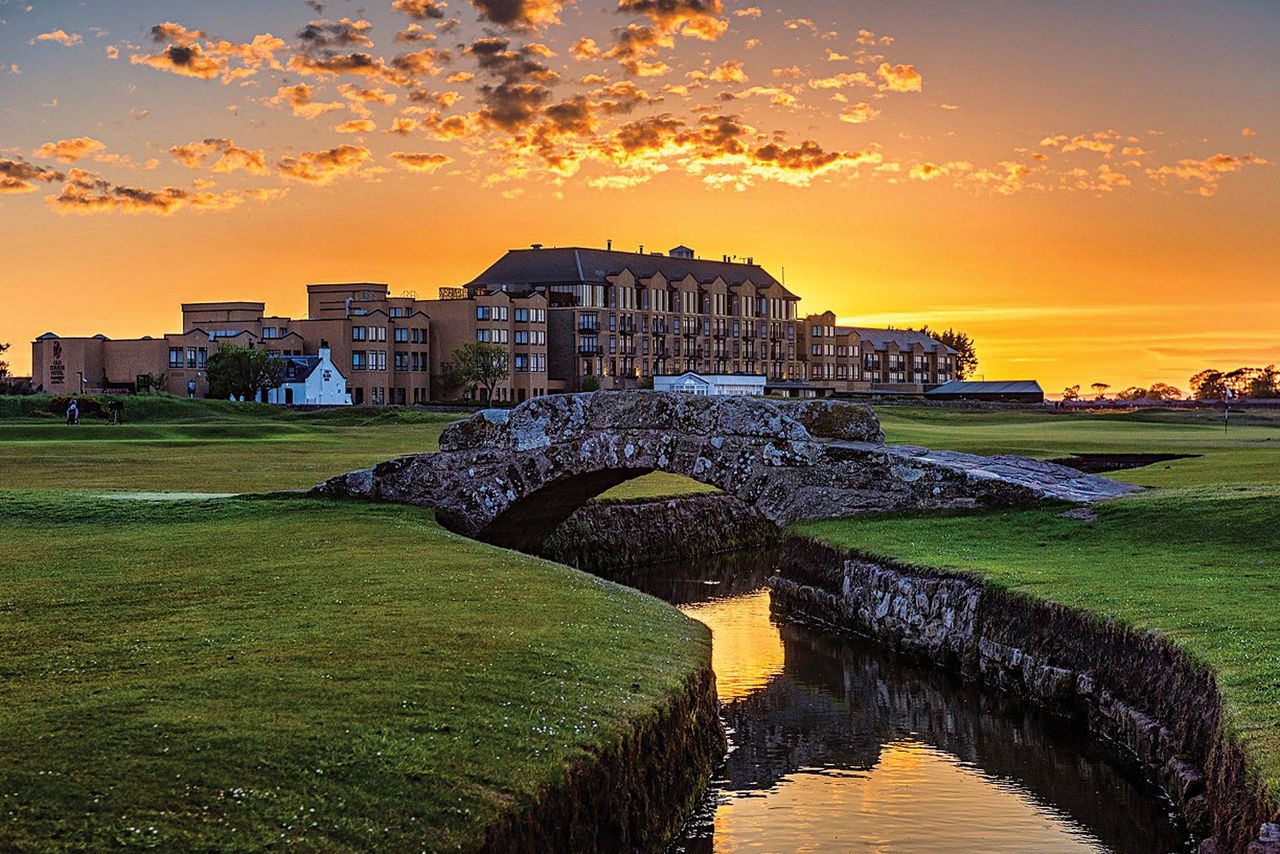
(73, 413)
(117, 408)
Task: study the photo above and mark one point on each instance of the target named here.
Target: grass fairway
(1196, 559)
(207, 446)
(1247, 453)
(241, 674)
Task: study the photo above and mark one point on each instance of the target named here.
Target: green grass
(246, 674)
(1194, 559)
(1248, 452)
(239, 456)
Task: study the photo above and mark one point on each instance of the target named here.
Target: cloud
(59, 37)
(17, 175)
(419, 162)
(300, 99)
(414, 34)
(899, 78)
(420, 10)
(70, 150)
(844, 80)
(729, 71)
(190, 53)
(322, 167)
(326, 35)
(520, 14)
(231, 157)
(355, 126)
(1207, 172)
(85, 193)
(518, 92)
(697, 19)
(858, 113)
(929, 171)
(1248, 132)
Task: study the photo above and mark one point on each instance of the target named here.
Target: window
(483, 336)
(522, 315)
(175, 357)
(359, 360)
(482, 312)
(270, 332)
(398, 312)
(377, 360)
(522, 336)
(191, 357)
(401, 361)
(359, 333)
(379, 331)
(419, 336)
(202, 357)
(521, 363)
(401, 335)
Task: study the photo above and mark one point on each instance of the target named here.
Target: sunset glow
(1089, 189)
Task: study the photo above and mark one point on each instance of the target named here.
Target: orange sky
(1088, 190)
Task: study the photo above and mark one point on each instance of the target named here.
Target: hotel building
(569, 318)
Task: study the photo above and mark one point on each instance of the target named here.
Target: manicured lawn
(260, 456)
(244, 674)
(1196, 559)
(1248, 452)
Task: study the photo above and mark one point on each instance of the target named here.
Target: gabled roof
(905, 339)
(988, 387)
(578, 265)
(298, 368)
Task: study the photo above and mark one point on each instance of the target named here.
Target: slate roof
(298, 368)
(987, 387)
(575, 265)
(880, 339)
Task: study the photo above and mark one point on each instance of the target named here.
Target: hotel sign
(57, 368)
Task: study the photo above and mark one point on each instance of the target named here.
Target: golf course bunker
(1103, 463)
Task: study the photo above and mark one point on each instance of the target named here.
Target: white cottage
(691, 382)
(311, 380)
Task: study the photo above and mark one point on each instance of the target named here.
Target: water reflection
(837, 745)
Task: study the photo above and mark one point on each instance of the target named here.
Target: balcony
(588, 327)
(588, 350)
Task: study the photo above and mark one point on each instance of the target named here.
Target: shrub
(89, 406)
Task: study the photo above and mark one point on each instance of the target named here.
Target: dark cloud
(85, 193)
(518, 92)
(520, 14)
(17, 175)
(420, 10)
(325, 35)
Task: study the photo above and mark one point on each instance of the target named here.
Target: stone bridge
(512, 476)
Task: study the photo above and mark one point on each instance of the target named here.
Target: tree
(1100, 390)
(242, 372)
(1208, 385)
(1071, 392)
(153, 382)
(966, 349)
(4, 366)
(589, 383)
(476, 364)
(1133, 392)
(1163, 391)
(1264, 383)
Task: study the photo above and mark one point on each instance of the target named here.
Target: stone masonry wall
(1134, 687)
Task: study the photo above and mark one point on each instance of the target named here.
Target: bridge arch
(506, 475)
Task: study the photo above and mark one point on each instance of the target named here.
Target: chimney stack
(608, 245)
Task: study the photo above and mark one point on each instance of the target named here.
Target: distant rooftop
(880, 339)
(577, 265)
(987, 387)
